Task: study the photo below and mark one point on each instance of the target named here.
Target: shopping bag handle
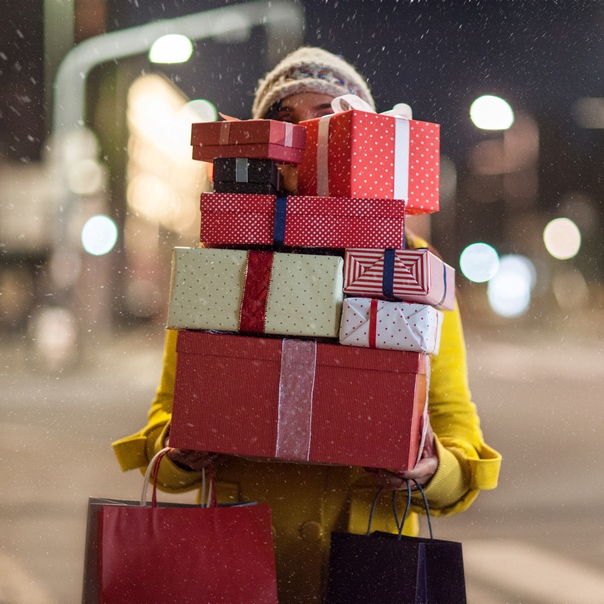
(400, 525)
(153, 470)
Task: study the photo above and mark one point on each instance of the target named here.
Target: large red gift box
(262, 139)
(412, 275)
(298, 400)
(362, 154)
(300, 221)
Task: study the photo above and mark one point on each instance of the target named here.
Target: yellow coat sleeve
(466, 464)
(137, 450)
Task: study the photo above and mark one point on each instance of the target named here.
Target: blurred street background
(97, 187)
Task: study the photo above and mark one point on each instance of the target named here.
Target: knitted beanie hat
(309, 69)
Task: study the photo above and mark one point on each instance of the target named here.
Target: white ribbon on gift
(401, 111)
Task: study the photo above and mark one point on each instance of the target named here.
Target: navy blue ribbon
(445, 284)
(388, 275)
(280, 213)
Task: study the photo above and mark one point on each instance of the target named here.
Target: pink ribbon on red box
(401, 111)
(225, 132)
(296, 388)
(288, 139)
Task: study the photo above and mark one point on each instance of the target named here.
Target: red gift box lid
(234, 346)
(346, 206)
(239, 203)
(247, 132)
(328, 355)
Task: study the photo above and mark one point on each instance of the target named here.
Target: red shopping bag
(185, 555)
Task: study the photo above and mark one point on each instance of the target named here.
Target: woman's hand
(422, 472)
(188, 459)
(289, 176)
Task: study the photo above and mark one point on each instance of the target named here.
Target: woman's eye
(284, 117)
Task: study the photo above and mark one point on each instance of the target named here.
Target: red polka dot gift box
(258, 139)
(298, 400)
(255, 292)
(412, 275)
(362, 154)
(372, 323)
(301, 221)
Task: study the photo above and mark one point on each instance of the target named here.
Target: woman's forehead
(307, 100)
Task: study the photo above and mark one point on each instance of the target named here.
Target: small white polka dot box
(300, 221)
(255, 292)
(259, 139)
(362, 154)
(298, 400)
(412, 275)
(372, 323)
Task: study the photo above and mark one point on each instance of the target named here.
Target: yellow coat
(309, 501)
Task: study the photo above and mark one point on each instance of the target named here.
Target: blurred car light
(562, 238)
(99, 235)
(479, 262)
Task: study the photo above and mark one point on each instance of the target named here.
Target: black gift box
(247, 170)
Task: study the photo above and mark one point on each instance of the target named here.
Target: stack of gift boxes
(305, 326)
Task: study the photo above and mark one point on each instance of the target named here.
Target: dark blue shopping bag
(385, 568)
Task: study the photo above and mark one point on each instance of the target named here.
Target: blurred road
(537, 539)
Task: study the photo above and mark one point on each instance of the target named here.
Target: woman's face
(297, 108)
(304, 106)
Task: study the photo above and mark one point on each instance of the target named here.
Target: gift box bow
(401, 112)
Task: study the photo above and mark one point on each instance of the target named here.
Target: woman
(310, 501)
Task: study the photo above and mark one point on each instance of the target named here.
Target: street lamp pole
(283, 20)
(72, 141)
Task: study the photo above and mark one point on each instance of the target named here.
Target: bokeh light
(55, 334)
(491, 113)
(479, 262)
(164, 183)
(172, 48)
(509, 291)
(200, 110)
(85, 177)
(99, 235)
(570, 289)
(588, 112)
(65, 267)
(562, 238)
(581, 209)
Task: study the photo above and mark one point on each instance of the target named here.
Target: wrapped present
(299, 221)
(247, 188)
(413, 275)
(245, 175)
(255, 292)
(244, 169)
(373, 323)
(358, 153)
(298, 400)
(263, 139)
